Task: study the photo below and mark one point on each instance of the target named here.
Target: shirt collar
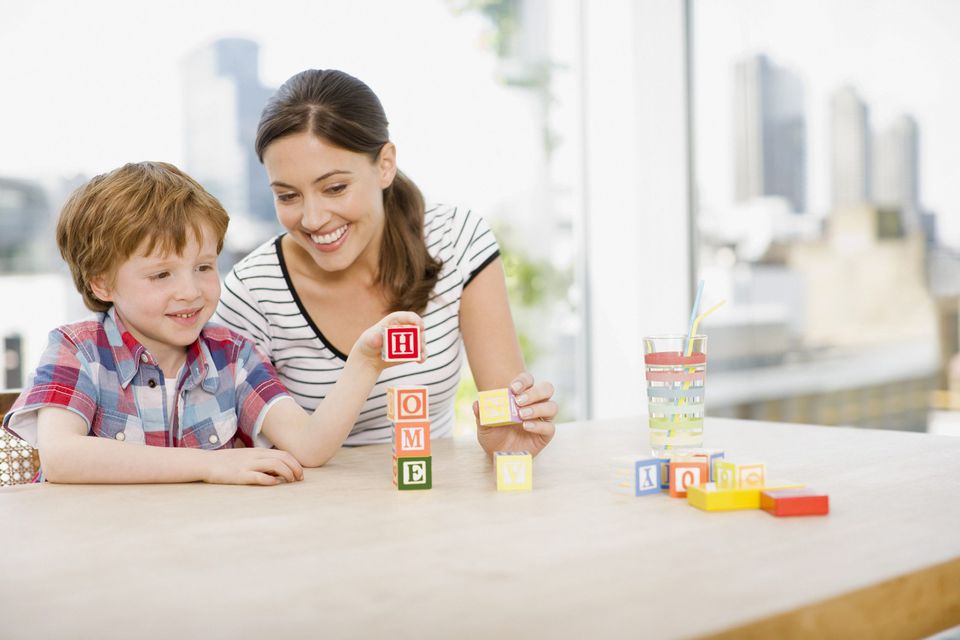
(130, 354)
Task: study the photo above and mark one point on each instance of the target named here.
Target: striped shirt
(259, 301)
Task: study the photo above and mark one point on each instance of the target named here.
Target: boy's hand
(536, 409)
(252, 466)
(370, 343)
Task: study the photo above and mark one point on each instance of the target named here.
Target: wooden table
(343, 554)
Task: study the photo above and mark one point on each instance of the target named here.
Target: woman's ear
(100, 289)
(387, 164)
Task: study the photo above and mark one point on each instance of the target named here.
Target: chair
(19, 462)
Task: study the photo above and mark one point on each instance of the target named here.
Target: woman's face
(330, 199)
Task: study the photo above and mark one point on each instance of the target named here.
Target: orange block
(684, 473)
(411, 439)
(795, 502)
(407, 404)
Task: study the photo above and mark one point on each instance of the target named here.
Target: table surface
(344, 553)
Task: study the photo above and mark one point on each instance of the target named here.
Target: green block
(413, 474)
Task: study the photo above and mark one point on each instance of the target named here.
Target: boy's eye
(160, 276)
(205, 267)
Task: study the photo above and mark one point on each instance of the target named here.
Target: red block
(401, 344)
(795, 502)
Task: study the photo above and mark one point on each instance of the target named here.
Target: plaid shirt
(98, 370)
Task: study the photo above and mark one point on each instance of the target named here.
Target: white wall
(637, 222)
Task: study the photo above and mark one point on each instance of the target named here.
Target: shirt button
(151, 383)
(120, 436)
(213, 439)
(144, 357)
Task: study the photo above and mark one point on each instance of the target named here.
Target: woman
(360, 244)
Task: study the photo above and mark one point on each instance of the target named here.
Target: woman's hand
(536, 409)
(370, 343)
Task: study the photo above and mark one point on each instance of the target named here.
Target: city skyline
(896, 59)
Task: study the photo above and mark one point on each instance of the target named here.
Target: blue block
(717, 455)
(664, 473)
(646, 477)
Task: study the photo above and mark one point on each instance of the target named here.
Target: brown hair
(345, 112)
(107, 219)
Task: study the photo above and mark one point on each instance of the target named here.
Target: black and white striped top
(259, 301)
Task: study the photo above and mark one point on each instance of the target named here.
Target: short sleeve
(62, 379)
(474, 245)
(239, 310)
(257, 389)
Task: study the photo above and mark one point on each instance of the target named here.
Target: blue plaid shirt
(98, 370)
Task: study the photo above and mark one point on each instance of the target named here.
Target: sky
(88, 86)
(901, 57)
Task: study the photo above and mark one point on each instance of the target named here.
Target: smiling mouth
(328, 238)
(185, 315)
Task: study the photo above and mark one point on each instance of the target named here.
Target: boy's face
(164, 300)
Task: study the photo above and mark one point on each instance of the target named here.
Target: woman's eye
(337, 188)
(285, 197)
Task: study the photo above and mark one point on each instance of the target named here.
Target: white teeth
(327, 238)
(184, 315)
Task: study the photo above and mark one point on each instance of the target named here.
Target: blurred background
(798, 157)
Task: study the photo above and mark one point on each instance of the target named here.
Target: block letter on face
(401, 344)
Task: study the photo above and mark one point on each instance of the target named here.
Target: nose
(315, 214)
(188, 288)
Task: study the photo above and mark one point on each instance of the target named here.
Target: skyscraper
(770, 130)
(849, 148)
(223, 98)
(896, 169)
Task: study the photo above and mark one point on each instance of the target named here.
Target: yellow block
(709, 497)
(739, 475)
(497, 408)
(514, 470)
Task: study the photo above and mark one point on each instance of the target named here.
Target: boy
(142, 243)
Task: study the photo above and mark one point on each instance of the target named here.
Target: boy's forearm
(92, 460)
(331, 423)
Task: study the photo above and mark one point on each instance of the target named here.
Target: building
(896, 170)
(849, 148)
(25, 215)
(223, 98)
(770, 133)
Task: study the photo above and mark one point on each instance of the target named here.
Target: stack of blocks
(514, 469)
(711, 483)
(408, 409)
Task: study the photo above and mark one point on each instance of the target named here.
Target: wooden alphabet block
(407, 404)
(794, 502)
(413, 474)
(401, 343)
(664, 473)
(740, 475)
(498, 408)
(636, 475)
(685, 473)
(715, 456)
(514, 470)
(411, 439)
(751, 475)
